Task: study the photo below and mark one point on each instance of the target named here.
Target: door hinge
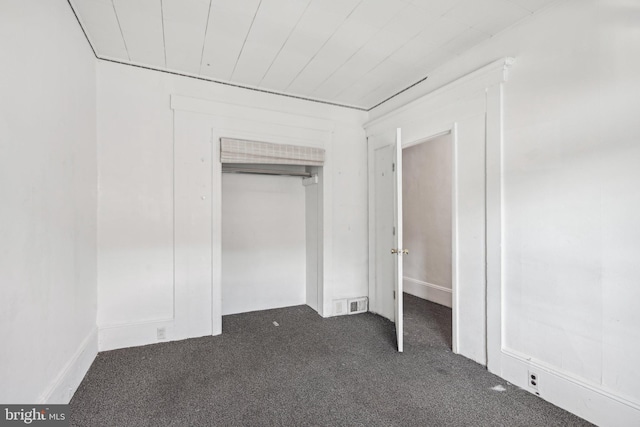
(393, 167)
(394, 294)
(394, 230)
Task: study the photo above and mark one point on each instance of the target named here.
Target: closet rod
(267, 172)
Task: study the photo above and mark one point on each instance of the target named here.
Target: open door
(385, 190)
(397, 252)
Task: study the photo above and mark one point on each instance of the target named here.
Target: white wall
(48, 211)
(426, 197)
(571, 203)
(138, 186)
(263, 242)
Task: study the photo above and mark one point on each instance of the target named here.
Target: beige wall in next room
(426, 193)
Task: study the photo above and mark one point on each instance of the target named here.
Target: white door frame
(243, 134)
(450, 103)
(198, 125)
(450, 130)
(434, 132)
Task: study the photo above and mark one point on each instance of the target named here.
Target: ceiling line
(120, 27)
(175, 73)
(82, 28)
(164, 41)
(285, 42)
(335, 104)
(245, 40)
(398, 93)
(323, 45)
(204, 40)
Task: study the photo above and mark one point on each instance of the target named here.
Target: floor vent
(358, 305)
(339, 307)
(350, 306)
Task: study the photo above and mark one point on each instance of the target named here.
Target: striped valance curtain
(243, 151)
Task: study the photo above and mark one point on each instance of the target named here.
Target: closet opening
(271, 233)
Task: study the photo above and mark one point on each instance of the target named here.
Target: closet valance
(244, 151)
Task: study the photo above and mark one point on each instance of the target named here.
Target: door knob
(400, 252)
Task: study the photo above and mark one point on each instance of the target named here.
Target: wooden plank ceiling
(350, 52)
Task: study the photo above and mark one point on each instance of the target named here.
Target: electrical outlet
(162, 333)
(533, 380)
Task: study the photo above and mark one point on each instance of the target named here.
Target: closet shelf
(258, 171)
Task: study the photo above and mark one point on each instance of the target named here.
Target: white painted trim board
(65, 384)
(428, 291)
(589, 401)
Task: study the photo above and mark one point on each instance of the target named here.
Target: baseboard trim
(429, 291)
(113, 337)
(64, 386)
(144, 333)
(588, 401)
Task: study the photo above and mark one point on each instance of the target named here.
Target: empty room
(320, 212)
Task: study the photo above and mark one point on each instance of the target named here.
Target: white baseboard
(428, 291)
(143, 333)
(588, 401)
(63, 387)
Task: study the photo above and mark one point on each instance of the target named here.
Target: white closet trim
(255, 152)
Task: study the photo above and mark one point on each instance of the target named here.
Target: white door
(385, 154)
(397, 252)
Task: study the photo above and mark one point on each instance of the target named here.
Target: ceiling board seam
(364, 96)
(164, 41)
(245, 40)
(233, 84)
(366, 73)
(514, 24)
(356, 52)
(340, 66)
(204, 40)
(323, 45)
(115, 12)
(396, 50)
(381, 62)
(335, 104)
(285, 42)
(86, 36)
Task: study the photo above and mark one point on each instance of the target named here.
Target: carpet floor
(307, 371)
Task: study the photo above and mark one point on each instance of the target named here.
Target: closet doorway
(270, 228)
(427, 175)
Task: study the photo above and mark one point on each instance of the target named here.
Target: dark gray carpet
(341, 371)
